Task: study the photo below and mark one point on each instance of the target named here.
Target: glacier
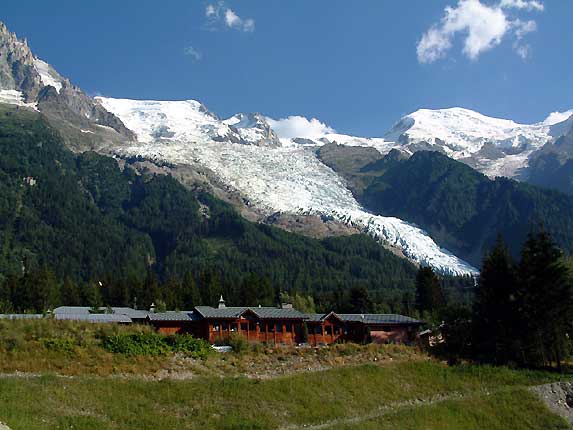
(286, 178)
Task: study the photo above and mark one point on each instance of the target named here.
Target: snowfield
(288, 179)
(14, 97)
(47, 74)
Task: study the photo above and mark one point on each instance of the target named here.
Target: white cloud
(522, 4)
(299, 126)
(522, 50)
(483, 28)
(522, 28)
(232, 19)
(210, 10)
(220, 15)
(193, 53)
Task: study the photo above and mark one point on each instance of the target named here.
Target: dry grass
(72, 348)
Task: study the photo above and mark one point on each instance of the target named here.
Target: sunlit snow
(288, 179)
(48, 76)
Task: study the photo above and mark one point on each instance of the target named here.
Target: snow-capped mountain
(25, 80)
(254, 128)
(272, 173)
(496, 147)
(288, 179)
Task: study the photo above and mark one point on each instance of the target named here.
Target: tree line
(522, 313)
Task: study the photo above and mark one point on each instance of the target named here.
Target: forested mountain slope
(84, 217)
(461, 208)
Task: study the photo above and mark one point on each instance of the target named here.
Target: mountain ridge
(270, 178)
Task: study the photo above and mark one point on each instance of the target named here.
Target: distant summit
(27, 81)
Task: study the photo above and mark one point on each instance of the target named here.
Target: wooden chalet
(285, 325)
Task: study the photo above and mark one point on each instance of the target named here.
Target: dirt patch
(558, 397)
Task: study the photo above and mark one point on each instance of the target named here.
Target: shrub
(60, 344)
(238, 343)
(154, 344)
(136, 344)
(187, 344)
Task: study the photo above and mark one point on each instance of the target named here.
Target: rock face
(552, 166)
(28, 81)
(558, 397)
(17, 71)
(254, 129)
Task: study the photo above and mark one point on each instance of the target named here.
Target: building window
(244, 327)
(234, 326)
(288, 327)
(271, 328)
(318, 329)
(279, 327)
(225, 326)
(328, 330)
(216, 327)
(336, 330)
(263, 327)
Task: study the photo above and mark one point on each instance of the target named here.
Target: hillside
(67, 379)
(86, 218)
(462, 208)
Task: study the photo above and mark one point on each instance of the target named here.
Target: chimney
(221, 303)
(286, 306)
(152, 308)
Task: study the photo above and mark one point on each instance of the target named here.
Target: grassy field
(416, 395)
(71, 382)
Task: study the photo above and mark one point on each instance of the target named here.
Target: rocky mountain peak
(27, 80)
(254, 128)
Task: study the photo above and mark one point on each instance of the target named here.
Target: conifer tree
(190, 296)
(545, 299)
(495, 309)
(429, 294)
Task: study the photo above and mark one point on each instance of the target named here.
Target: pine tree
(429, 294)
(71, 294)
(545, 299)
(495, 318)
(360, 301)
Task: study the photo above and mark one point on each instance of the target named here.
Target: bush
(187, 344)
(154, 344)
(136, 344)
(60, 344)
(238, 343)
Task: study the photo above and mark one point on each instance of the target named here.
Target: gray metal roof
(378, 319)
(261, 312)
(172, 316)
(76, 310)
(21, 316)
(95, 318)
(314, 317)
(129, 312)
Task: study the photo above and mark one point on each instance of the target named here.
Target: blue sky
(355, 65)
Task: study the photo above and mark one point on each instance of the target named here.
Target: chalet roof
(321, 317)
(21, 316)
(72, 310)
(77, 310)
(261, 312)
(95, 318)
(173, 316)
(378, 319)
(314, 317)
(129, 312)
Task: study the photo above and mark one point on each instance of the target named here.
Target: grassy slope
(483, 397)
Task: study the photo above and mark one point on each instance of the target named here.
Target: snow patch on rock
(48, 74)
